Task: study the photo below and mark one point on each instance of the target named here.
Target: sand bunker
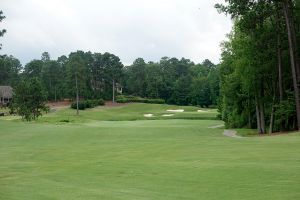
(148, 115)
(179, 110)
(202, 110)
(168, 115)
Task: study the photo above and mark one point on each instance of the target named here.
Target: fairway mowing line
(231, 133)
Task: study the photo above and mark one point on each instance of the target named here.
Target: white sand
(168, 115)
(202, 111)
(179, 110)
(148, 115)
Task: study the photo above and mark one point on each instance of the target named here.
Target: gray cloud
(128, 28)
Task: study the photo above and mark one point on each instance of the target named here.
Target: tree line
(179, 82)
(89, 75)
(95, 75)
(259, 70)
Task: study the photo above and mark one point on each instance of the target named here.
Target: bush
(154, 101)
(88, 104)
(73, 105)
(82, 105)
(100, 102)
(123, 100)
(134, 99)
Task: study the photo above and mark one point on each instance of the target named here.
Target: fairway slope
(96, 158)
(129, 112)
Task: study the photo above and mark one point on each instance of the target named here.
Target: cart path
(231, 133)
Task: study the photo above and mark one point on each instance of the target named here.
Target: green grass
(142, 159)
(129, 112)
(253, 133)
(247, 132)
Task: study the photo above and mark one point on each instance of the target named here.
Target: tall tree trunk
(249, 112)
(113, 83)
(293, 30)
(280, 85)
(249, 119)
(279, 59)
(258, 116)
(292, 59)
(271, 120)
(77, 96)
(272, 114)
(262, 118)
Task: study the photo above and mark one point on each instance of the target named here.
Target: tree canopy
(260, 66)
(29, 99)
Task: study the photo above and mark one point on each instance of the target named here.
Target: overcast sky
(129, 29)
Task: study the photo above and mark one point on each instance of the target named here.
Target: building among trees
(6, 93)
(119, 88)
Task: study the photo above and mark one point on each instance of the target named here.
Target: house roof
(6, 91)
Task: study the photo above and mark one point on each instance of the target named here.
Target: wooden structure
(6, 94)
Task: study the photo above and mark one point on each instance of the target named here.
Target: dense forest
(176, 81)
(259, 69)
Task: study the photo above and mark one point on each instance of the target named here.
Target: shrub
(82, 105)
(134, 99)
(100, 102)
(73, 105)
(156, 101)
(122, 100)
(88, 104)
